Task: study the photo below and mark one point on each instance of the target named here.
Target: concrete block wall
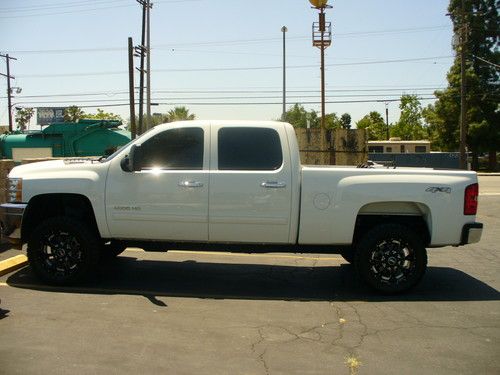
(332, 147)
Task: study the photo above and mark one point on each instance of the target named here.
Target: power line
(64, 5)
(247, 103)
(183, 100)
(235, 69)
(211, 98)
(90, 9)
(229, 42)
(486, 61)
(225, 91)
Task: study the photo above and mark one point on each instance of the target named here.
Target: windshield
(113, 155)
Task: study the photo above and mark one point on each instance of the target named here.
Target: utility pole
(387, 119)
(322, 38)
(283, 113)
(463, 89)
(322, 48)
(9, 91)
(148, 69)
(131, 87)
(141, 50)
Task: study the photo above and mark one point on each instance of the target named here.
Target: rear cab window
(249, 149)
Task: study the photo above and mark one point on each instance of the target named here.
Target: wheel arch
(44, 206)
(414, 215)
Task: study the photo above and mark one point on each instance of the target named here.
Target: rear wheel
(63, 251)
(391, 258)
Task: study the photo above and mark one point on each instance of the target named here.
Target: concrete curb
(12, 264)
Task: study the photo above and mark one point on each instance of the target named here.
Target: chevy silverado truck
(235, 186)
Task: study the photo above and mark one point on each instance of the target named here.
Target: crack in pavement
(254, 349)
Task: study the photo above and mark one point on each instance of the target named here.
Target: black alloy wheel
(63, 251)
(391, 258)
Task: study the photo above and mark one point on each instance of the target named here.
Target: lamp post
(322, 38)
(283, 113)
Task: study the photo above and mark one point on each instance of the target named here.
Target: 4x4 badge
(439, 189)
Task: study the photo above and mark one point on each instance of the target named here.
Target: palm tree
(73, 114)
(179, 114)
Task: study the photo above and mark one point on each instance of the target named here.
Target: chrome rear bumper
(471, 233)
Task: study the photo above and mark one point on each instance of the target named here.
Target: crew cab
(235, 186)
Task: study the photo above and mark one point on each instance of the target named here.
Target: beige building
(397, 146)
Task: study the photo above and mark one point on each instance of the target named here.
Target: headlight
(15, 190)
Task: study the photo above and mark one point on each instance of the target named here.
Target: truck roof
(254, 123)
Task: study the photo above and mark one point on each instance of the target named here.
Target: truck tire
(391, 258)
(110, 250)
(63, 251)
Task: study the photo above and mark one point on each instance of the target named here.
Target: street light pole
(283, 113)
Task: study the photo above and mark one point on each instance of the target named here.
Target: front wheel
(63, 251)
(391, 258)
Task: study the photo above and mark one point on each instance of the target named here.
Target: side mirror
(135, 158)
(125, 164)
(133, 161)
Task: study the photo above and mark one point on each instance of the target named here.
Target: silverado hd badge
(126, 208)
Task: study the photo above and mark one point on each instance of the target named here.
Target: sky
(223, 59)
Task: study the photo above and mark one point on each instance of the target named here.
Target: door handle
(273, 185)
(191, 184)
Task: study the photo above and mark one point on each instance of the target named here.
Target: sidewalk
(7, 252)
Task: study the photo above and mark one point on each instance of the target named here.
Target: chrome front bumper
(11, 217)
(471, 233)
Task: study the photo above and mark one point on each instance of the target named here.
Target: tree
(23, 117)
(482, 74)
(298, 116)
(345, 121)
(101, 115)
(179, 114)
(176, 114)
(374, 125)
(410, 124)
(332, 121)
(73, 114)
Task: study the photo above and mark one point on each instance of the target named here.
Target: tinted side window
(174, 149)
(257, 149)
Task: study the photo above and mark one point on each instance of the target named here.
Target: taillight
(470, 199)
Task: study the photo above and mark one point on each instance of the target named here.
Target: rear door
(250, 185)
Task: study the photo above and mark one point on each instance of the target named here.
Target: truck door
(250, 185)
(168, 198)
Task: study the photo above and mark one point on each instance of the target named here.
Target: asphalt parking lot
(205, 313)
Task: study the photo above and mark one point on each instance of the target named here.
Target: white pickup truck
(235, 186)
